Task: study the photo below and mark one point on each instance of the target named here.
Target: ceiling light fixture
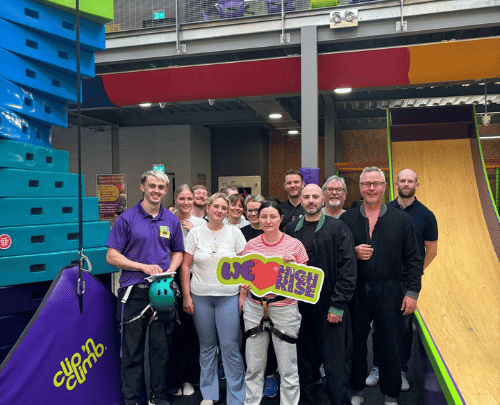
(275, 116)
(293, 132)
(342, 90)
(145, 105)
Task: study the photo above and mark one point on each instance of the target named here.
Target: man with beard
(291, 208)
(200, 201)
(388, 256)
(426, 231)
(335, 193)
(326, 324)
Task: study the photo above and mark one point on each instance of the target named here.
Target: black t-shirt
(290, 213)
(307, 240)
(250, 233)
(424, 222)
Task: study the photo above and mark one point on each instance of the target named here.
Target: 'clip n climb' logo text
(75, 370)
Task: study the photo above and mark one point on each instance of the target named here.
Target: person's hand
(246, 287)
(409, 305)
(187, 305)
(151, 269)
(186, 224)
(363, 251)
(289, 258)
(333, 318)
(241, 302)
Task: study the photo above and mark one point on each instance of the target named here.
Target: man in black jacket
(327, 323)
(387, 252)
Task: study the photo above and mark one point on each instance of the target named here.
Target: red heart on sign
(265, 274)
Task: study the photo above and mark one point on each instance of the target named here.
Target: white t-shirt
(196, 221)
(207, 247)
(243, 222)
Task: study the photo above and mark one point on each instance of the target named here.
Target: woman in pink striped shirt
(283, 313)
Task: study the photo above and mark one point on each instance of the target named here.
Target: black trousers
(334, 341)
(405, 351)
(380, 302)
(184, 363)
(133, 346)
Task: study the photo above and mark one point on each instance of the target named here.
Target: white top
(207, 247)
(196, 221)
(243, 222)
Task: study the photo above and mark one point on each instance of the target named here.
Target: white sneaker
(390, 403)
(372, 378)
(207, 402)
(357, 400)
(187, 389)
(405, 386)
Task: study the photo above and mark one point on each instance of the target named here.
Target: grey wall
(184, 150)
(96, 153)
(142, 147)
(201, 161)
(240, 152)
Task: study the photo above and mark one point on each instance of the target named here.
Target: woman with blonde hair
(215, 307)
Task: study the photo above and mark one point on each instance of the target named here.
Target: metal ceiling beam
(376, 20)
(194, 118)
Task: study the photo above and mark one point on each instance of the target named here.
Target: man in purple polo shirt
(145, 240)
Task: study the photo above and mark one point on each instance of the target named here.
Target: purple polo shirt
(144, 239)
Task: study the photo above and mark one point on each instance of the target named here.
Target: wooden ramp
(460, 298)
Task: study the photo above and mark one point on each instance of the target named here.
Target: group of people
(372, 257)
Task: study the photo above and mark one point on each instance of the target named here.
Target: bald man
(330, 247)
(426, 230)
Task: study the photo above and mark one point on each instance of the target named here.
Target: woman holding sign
(283, 313)
(215, 307)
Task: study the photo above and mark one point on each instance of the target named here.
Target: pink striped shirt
(286, 246)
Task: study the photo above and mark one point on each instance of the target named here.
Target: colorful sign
(272, 275)
(112, 195)
(64, 356)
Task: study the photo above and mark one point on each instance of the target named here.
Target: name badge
(164, 232)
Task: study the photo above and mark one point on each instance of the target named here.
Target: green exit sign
(159, 15)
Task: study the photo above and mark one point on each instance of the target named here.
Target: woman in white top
(215, 307)
(236, 208)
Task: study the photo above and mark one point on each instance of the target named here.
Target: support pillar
(309, 96)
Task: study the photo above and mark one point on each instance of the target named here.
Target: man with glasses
(335, 192)
(426, 230)
(388, 255)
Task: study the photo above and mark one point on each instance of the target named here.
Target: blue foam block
(20, 155)
(56, 23)
(45, 266)
(41, 211)
(45, 50)
(22, 298)
(27, 240)
(32, 183)
(30, 104)
(34, 76)
(13, 126)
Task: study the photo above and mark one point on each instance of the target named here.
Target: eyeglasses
(253, 211)
(368, 184)
(336, 189)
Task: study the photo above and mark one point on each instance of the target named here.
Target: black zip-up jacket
(333, 248)
(394, 243)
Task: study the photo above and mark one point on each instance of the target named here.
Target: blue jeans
(217, 316)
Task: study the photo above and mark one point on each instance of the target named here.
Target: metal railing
(132, 15)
